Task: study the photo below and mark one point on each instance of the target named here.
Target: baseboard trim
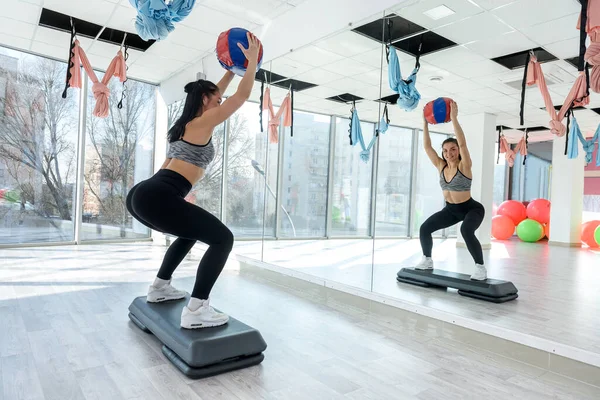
(553, 357)
(564, 244)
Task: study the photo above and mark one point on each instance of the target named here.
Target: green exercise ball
(529, 230)
(597, 235)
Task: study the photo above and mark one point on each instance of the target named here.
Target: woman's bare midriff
(189, 171)
(456, 197)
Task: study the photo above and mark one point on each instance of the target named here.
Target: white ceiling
(348, 62)
(194, 38)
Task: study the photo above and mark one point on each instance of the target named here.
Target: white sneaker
(425, 264)
(165, 293)
(204, 317)
(480, 273)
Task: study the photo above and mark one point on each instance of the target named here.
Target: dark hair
(196, 91)
(450, 140)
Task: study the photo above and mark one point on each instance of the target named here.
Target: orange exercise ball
(587, 233)
(539, 210)
(503, 227)
(513, 209)
(547, 230)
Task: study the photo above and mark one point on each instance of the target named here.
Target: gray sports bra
(458, 183)
(199, 155)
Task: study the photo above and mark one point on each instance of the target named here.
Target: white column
(566, 195)
(480, 133)
(160, 149)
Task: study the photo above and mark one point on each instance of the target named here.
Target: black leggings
(470, 212)
(159, 204)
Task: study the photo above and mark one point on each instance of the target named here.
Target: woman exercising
(158, 202)
(455, 179)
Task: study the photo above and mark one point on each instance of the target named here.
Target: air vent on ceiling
(62, 22)
(553, 74)
(517, 60)
(345, 98)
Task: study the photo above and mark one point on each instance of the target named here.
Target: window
(118, 154)
(499, 179)
(38, 150)
(393, 182)
(351, 195)
(246, 148)
(532, 180)
(306, 189)
(429, 198)
(591, 190)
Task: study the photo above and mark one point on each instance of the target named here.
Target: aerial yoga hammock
(592, 28)
(286, 109)
(579, 94)
(356, 135)
(117, 67)
(588, 145)
(510, 154)
(408, 95)
(155, 18)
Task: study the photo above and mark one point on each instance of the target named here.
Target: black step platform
(198, 353)
(493, 290)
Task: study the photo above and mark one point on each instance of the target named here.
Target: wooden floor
(65, 335)
(559, 299)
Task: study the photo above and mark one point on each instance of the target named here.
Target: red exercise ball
(502, 227)
(438, 111)
(587, 233)
(513, 209)
(539, 209)
(547, 230)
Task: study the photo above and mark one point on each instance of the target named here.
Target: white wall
(310, 21)
(480, 133)
(566, 195)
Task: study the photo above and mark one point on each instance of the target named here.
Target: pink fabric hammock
(592, 54)
(99, 88)
(510, 154)
(592, 25)
(578, 95)
(275, 119)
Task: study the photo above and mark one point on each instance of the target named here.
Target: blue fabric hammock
(155, 18)
(408, 94)
(588, 145)
(356, 135)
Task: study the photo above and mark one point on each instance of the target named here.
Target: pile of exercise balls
(531, 220)
(590, 233)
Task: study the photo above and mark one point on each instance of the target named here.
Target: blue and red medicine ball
(438, 110)
(230, 56)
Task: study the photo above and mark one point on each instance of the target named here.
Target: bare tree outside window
(38, 136)
(119, 153)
